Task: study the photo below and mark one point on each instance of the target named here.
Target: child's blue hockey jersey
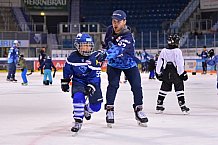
(82, 69)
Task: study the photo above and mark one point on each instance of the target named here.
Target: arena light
(42, 13)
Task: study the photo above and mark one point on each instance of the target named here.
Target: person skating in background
(13, 58)
(170, 70)
(151, 68)
(213, 60)
(47, 65)
(22, 63)
(204, 57)
(156, 56)
(144, 60)
(42, 57)
(83, 69)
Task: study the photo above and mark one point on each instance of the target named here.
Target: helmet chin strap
(172, 47)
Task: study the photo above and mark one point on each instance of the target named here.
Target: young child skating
(23, 66)
(170, 70)
(47, 65)
(83, 69)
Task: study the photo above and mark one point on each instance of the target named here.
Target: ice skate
(109, 115)
(140, 116)
(159, 109)
(77, 126)
(87, 114)
(185, 110)
(24, 84)
(13, 80)
(46, 83)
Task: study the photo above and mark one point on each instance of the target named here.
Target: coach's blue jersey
(213, 61)
(120, 49)
(82, 69)
(13, 55)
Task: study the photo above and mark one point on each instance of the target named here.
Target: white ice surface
(42, 115)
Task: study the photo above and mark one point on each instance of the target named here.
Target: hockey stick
(30, 73)
(54, 73)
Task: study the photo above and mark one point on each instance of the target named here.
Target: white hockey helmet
(16, 42)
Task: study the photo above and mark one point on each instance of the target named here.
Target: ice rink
(42, 115)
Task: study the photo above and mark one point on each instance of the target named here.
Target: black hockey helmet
(173, 40)
(21, 56)
(211, 53)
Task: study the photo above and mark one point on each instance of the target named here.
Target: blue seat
(142, 15)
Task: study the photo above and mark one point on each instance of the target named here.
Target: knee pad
(79, 98)
(95, 107)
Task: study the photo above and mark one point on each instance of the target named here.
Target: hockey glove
(159, 76)
(184, 76)
(22, 69)
(101, 55)
(90, 90)
(103, 45)
(211, 53)
(65, 85)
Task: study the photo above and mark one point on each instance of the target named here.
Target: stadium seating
(7, 21)
(143, 16)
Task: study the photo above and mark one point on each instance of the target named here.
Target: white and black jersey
(170, 55)
(170, 64)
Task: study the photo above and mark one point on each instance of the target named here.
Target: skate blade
(74, 134)
(159, 112)
(142, 124)
(109, 125)
(185, 113)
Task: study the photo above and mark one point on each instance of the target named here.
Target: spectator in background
(204, 56)
(5, 54)
(42, 57)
